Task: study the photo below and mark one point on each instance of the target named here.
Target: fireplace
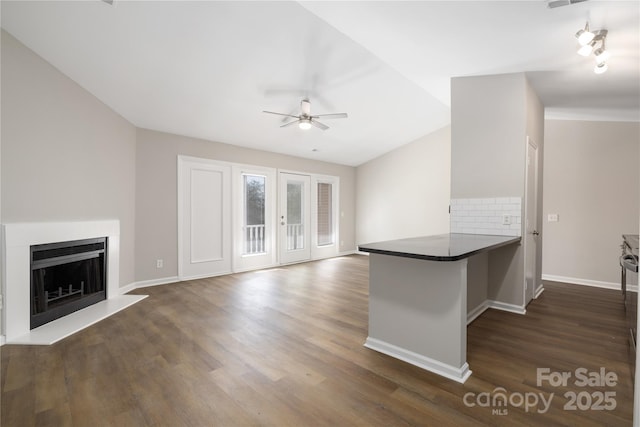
(15, 255)
(66, 277)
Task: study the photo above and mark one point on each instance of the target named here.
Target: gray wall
(591, 181)
(405, 193)
(156, 190)
(65, 155)
(488, 122)
(491, 117)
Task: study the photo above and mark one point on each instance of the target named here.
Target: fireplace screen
(66, 277)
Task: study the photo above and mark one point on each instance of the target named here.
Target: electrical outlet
(506, 219)
(552, 218)
(159, 263)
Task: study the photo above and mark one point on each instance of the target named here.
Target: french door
(254, 194)
(234, 217)
(294, 218)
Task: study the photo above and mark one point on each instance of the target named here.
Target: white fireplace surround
(17, 241)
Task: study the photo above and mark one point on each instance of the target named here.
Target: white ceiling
(207, 69)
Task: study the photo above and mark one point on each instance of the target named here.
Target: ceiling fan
(305, 120)
(559, 3)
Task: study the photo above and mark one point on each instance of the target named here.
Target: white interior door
(204, 218)
(294, 218)
(531, 221)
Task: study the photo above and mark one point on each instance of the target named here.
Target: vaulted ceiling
(207, 69)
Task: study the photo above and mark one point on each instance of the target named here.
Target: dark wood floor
(285, 347)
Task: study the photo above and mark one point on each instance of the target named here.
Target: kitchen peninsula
(418, 297)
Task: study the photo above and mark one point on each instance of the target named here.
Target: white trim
(204, 276)
(539, 291)
(451, 372)
(151, 282)
(351, 252)
(588, 282)
(591, 114)
(3, 340)
(512, 308)
(359, 252)
(125, 289)
(476, 312)
(496, 305)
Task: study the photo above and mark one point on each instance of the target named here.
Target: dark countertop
(442, 247)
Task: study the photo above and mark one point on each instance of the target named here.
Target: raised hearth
(18, 239)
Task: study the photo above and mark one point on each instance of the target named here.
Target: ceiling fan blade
(290, 123)
(281, 114)
(319, 125)
(332, 116)
(558, 3)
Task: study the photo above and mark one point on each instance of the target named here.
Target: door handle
(535, 233)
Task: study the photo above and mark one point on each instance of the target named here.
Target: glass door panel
(254, 214)
(294, 217)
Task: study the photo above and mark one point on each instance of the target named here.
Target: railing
(254, 239)
(295, 236)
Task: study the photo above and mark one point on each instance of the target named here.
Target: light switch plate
(552, 217)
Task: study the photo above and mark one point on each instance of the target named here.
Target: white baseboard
(3, 340)
(345, 253)
(151, 282)
(448, 371)
(512, 308)
(588, 282)
(476, 312)
(539, 291)
(496, 305)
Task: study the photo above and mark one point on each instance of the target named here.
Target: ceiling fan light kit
(304, 124)
(588, 41)
(305, 120)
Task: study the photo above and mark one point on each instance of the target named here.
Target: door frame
(530, 226)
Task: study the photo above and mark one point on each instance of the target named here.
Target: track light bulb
(585, 50)
(600, 68)
(585, 36)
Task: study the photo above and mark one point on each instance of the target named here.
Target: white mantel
(16, 243)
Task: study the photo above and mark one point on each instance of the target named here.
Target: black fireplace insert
(67, 277)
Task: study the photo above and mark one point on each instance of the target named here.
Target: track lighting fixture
(588, 41)
(585, 36)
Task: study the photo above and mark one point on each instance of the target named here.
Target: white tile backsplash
(485, 216)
